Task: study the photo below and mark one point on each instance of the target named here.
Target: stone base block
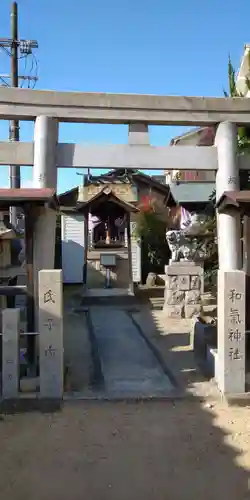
(203, 341)
(29, 384)
(195, 282)
(184, 268)
(174, 297)
(192, 311)
(175, 312)
(212, 359)
(171, 282)
(184, 286)
(184, 282)
(193, 297)
(151, 280)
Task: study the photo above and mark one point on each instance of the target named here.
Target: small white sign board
(135, 253)
(107, 260)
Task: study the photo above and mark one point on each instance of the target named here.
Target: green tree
(243, 132)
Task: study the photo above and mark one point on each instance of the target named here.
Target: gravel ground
(185, 450)
(141, 451)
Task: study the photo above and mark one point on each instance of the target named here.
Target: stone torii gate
(45, 154)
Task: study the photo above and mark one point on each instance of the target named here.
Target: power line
(17, 49)
(5, 84)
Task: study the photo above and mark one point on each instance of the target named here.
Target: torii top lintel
(25, 104)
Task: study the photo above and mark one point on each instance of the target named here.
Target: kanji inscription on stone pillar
(51, 333)
(231, 331)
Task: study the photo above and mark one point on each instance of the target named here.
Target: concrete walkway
(129, 366)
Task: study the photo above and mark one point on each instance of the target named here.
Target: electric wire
(30, 76)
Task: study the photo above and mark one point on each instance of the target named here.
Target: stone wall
(184, 284)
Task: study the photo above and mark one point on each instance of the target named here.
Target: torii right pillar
(246, 265)
(230, 369)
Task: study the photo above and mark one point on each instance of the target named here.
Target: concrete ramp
(129, 366)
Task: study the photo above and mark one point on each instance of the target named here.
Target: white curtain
(94, 221)
(186, 219)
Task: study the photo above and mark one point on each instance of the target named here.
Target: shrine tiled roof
(69, 198)
(17, 197)
(234, 199)
(109, 195)
(192, 192)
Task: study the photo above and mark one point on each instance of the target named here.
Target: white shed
(73, 247)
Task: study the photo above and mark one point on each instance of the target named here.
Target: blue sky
(140, 46)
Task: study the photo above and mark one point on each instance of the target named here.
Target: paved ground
(77, 349)
(129, 366)
(77, 354)
(171, 338)
(115, 451)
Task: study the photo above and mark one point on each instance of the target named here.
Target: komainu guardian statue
(184, 242)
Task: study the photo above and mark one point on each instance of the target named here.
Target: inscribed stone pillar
(44, 176)
(231, 332)
(51, 333)
(246, 264)
(227, 179)
(246, 244)
(10, 353)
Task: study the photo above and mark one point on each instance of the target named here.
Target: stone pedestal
(231, 331)
(10, 353)
(183, 288)
(51, 333)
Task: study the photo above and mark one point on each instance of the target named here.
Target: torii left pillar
(44, 176)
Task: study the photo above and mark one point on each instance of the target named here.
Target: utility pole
(25, 47)
(14, 174)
